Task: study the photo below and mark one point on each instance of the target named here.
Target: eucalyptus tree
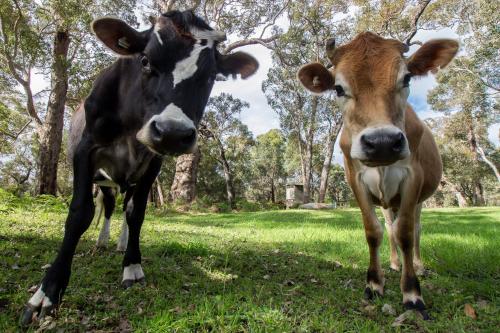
(267, 160)
(35, 34)
(470, 88)
(230, 138)
(307, 119)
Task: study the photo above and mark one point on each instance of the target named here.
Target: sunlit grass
(274, 271)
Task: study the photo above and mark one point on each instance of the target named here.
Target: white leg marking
(133, 272)
(376, 287)
(412, 297)
(123, 239)
(39, 299)
(103, 239)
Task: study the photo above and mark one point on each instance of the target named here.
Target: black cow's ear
(119, 36)
(237, 63)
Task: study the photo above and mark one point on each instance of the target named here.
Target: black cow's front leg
(81, 211)
(136, 207)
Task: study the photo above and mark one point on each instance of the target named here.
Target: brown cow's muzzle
(380, 146)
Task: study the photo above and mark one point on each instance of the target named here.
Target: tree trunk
(273, 191)
(489, 162)
(307, 168)
(228, 177)
(184, 185)
(478, 196)
(161, 200)
(325, 171)
(51, 133)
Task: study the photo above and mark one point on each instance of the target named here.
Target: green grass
(270, 271)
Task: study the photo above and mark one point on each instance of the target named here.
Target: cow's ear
(119, 36)
(237, 63)
(316, 78)
(432, 56)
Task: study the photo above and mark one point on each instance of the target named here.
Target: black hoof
(371, 294)
(27, 316)
(129, 283)
(419, 307)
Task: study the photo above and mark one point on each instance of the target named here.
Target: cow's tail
(99, 208)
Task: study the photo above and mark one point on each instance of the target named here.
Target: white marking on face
(39, 299)
(210, 35)
(357, 151)
(172, 113)
(157, 34)
(175, 114)
(187, 67)
(133, 272)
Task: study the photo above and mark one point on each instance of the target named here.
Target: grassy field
(276, 271)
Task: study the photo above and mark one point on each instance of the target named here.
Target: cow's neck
(122, 163)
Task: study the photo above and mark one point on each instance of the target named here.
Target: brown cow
(390, 156)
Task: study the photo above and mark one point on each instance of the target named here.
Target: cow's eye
(340, 91)
(406, 80)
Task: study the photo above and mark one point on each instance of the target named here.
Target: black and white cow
(147, 104)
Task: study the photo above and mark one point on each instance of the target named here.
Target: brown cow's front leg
(405, 229)
(389, 221)
(374, 233)
(417, 261)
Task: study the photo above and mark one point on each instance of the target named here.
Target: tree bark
(184, 185)
(478, 196)
(228, 177)
(489, 162)
(51, 133)
(307, 160)
(325, 171)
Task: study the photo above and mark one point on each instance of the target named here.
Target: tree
(228, 135)
(475, 72)
(268, 172)
(34, 34)
(303, 117)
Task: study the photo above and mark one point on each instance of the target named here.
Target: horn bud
(330, 47)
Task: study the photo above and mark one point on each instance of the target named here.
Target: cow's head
(372, 79)
(179, 62)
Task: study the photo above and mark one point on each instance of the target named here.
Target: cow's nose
(383, 146)
(167, 136)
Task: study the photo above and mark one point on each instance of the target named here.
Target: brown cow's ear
(237, 63)
(432, 56)
(316, 78)
(119, 36)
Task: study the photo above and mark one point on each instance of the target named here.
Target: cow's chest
(123, 163)
(384, 183)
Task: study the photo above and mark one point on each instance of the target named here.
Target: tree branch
(416, 18)
(252, 41)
